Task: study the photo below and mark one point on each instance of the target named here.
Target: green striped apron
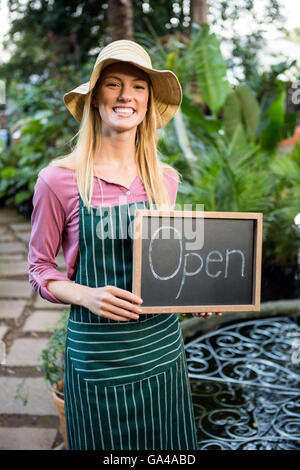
(126, 383)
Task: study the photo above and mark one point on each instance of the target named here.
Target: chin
(125, 126)
(121, 126)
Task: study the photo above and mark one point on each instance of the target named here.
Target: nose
(125, 93)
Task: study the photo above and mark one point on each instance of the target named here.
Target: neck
(117, 150)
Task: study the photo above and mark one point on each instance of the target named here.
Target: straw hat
(166, 87)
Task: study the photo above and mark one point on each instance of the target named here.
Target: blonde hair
(150, 168)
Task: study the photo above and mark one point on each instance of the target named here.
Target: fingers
(130, 310)
(207, 314)
(120, 304)
(125, 294)
(107, 314)
(123, 304)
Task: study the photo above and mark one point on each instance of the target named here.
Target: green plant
(21, 394)
(232, 176)
(238, 176)
(284, 239)
(201, 69)
(242, 110)
(270, 130)
(45, 127)
(210, 68)
(52, 356)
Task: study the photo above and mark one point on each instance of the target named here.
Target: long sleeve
(47, 221)
(171, 181)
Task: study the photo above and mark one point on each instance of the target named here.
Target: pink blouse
(55, 220)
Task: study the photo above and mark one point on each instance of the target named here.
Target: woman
(126, 384)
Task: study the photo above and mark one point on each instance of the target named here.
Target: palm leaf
(210, 69)
(241, 110)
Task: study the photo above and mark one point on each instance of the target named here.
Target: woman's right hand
(112, 302)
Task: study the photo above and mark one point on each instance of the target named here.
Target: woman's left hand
(203, 314)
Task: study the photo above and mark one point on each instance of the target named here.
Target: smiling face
(122, 97)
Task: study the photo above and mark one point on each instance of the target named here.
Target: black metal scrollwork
(245, 381)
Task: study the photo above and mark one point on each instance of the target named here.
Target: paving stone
(15, 268)
(26, 351)
(11, 308)
(3, 228)
(27, 438)
(21, 227)
(24, 236)
(4, 257)
(44, 320)
(44, 303)
(7, 237)
(3, 330)
(34, 396)
(2, 353)
(15, 289)
(12, 247)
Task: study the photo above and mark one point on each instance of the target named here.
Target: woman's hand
(112, 302)
(203, 314)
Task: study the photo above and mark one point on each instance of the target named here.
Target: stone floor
(28, 417)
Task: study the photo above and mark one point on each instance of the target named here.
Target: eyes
(114, 85)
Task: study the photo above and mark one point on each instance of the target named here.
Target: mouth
(123, 111)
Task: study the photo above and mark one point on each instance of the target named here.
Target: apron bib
(126, 384)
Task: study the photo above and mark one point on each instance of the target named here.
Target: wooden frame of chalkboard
(219, 292)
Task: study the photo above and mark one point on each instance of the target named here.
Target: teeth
(123, 110)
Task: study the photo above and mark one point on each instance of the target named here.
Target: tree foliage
(47, 34)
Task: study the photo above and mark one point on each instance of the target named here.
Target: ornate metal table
(245, 381)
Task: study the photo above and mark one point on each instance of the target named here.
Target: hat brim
(166, 90)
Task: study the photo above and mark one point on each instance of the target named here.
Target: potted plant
(52, 366)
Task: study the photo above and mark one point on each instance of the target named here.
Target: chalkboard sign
(192, 261)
